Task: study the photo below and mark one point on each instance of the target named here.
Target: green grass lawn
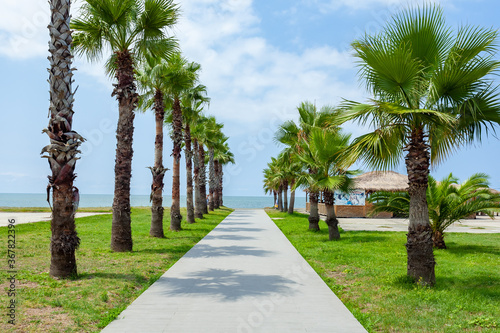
(367, 271)
(107, 283)
(47, 209)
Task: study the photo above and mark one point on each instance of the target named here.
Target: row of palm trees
(433, 92)
(150, 73)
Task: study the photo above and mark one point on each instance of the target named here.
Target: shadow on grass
(456, 249)
(111, 276)
(479, 285)
(363, 237)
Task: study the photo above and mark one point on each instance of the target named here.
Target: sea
(106, 200)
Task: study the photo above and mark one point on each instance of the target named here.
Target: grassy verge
(47, 209)
(107, 281)
(367, 271)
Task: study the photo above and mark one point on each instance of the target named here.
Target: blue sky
(260, 59)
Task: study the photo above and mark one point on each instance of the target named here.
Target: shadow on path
(228, 284)
(229, 237)
(207, 251)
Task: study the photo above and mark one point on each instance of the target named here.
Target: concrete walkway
(243, 277)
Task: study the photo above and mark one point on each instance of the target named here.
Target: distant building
(354, 204)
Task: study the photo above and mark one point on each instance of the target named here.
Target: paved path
(243, 277)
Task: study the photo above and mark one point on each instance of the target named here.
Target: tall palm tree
(213, 139)
(180, 77)
(224, 156)
(151, 81)
(271, 183)
(219, 150)
(448, 202)
(292, 135)
(198, 133)
(63, 146)
(131, 29)
(323, 151)
(192, 101)
(432, 93)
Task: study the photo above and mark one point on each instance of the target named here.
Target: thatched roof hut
(381, 181)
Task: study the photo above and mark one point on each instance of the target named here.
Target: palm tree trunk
(175, 210)
(280, 198)
(331, 219)
(158, 171)
(203, 180)
(211, 179)
(198, 199)
(419, 238)
(292, 198)
(313, 211)
(125, 90)
(221, 176)
(189, 176)
(285, 196)
(64, 240)
(438, 239)
(216, 184)
(275, 193)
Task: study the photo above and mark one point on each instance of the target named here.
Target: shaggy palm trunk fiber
(203, 180)
(419, 238)
(280, 198)
(125, 92)
(216, 185)
(292, 198)
(313, 211)
(221, 176)
(285, 196)
(158, 171)
(175, 210)
(211, 180)
(63, 146)
(198, 199)
(189, 174)
(331, 218)
(438, 239)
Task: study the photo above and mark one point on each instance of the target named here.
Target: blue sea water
(106, 200)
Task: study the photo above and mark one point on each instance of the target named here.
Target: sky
(259, 60)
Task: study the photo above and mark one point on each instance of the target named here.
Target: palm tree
(198, 134)
(293, 135)
(213, 139)
(283, 165)
(179, 78)
(151, 81)
(131, 29)
(323, 152)
(219, 151)
(63, 146)
(192, 101)
(223, 156)
(448, 202)
(270, 183)
(432, 93)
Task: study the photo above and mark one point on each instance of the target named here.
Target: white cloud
(392, 5)
(250, 80)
